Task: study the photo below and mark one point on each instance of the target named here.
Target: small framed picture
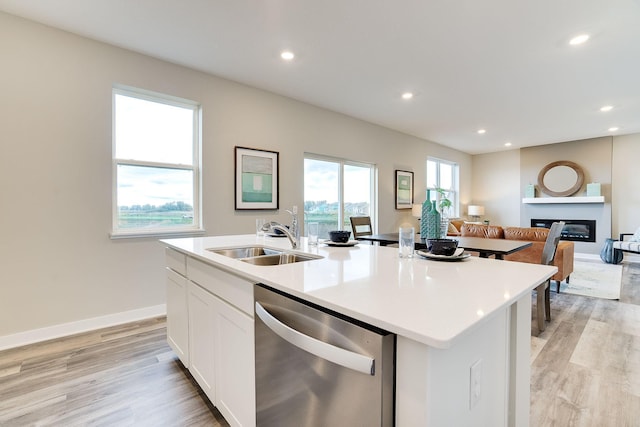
(256, 183)
(404, 189)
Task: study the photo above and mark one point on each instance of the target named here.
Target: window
(155, 164)
(444, 174)
(335, 190)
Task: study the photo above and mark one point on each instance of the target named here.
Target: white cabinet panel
(235, 369)
(201, 339)
(233, 289)
(178, 315)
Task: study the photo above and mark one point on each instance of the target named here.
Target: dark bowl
(275, 230)
(339, 236)
(442, 246)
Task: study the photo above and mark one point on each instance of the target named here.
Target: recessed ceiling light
(507, 144)
(606, 108)
(613, 129)
(407, 95)
(481, 131)
(579, 39)
(287, 55)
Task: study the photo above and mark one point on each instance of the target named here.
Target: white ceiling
(502, 65)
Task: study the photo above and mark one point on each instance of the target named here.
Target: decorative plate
(458, 255)
(276, 235)
(349, 243)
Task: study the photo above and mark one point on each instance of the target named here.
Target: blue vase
(432, 223)
(426, 207)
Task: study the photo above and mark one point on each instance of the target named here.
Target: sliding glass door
(335, 190)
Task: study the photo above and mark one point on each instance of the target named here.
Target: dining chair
(361, 226)
(543, 300)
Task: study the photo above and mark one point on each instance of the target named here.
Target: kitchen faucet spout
(293, 233)
(287, 232)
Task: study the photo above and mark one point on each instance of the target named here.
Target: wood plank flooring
(585, 368)
(585, 371)
(121, 376)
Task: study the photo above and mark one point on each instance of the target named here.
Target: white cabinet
(210, 327)
(202, 338)
(177, 311)
(235, 368)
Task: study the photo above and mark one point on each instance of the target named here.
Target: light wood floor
(585, 371)
(585, 368)
(121, 376)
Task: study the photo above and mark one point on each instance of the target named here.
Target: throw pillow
(452, 229)
(636, 236)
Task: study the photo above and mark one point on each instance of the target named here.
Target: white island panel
(448, 317)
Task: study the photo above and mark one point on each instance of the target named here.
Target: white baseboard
(71, 328)
(578, 255)
(631, 257)
(627, 257)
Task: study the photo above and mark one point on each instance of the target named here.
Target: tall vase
(426, 207)
(433, 223)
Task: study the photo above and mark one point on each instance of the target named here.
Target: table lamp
(475, 212)
(416, 210)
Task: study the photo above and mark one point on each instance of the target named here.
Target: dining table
(485, 247)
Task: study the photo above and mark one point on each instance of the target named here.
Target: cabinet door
(201, 339)
(177, 315)
(235, 369)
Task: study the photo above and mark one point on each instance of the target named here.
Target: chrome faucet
(292, 233)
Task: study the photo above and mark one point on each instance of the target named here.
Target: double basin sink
(260, 255)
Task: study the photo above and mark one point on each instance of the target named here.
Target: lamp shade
(416, 210)
(475, 210)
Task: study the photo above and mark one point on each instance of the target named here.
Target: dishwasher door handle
(337, 355)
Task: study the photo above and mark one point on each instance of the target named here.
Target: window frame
(453, 193)
(196, 228)
(373, 209)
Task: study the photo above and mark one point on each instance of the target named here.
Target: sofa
(455, 225)
(533, 254)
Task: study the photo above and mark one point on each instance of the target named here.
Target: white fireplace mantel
(566, 200)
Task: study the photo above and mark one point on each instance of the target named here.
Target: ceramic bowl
(339, 236)
(442, 246)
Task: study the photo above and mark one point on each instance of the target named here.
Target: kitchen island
(463, 328)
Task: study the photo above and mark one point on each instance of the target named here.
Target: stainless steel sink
(260, 255)
(283, 258)
(246, 252)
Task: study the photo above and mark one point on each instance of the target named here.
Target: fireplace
(577, 230)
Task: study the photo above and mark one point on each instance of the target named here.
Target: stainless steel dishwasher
(318, 368)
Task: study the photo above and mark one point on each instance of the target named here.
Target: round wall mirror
(562, 178)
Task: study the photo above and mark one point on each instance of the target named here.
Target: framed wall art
(257, 177)
(404, 189)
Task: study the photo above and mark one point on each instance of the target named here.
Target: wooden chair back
(361, 226)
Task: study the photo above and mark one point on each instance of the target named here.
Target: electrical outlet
(475, 383)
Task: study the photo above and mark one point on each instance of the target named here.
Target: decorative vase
(426, 207)
(432, 223)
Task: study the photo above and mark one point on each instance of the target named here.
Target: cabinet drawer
(232, 289)
(176, 261)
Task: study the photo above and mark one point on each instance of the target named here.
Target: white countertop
(431, 302)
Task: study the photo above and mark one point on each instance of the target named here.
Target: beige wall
(625, 185)
(496, 185)
(58, 263)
